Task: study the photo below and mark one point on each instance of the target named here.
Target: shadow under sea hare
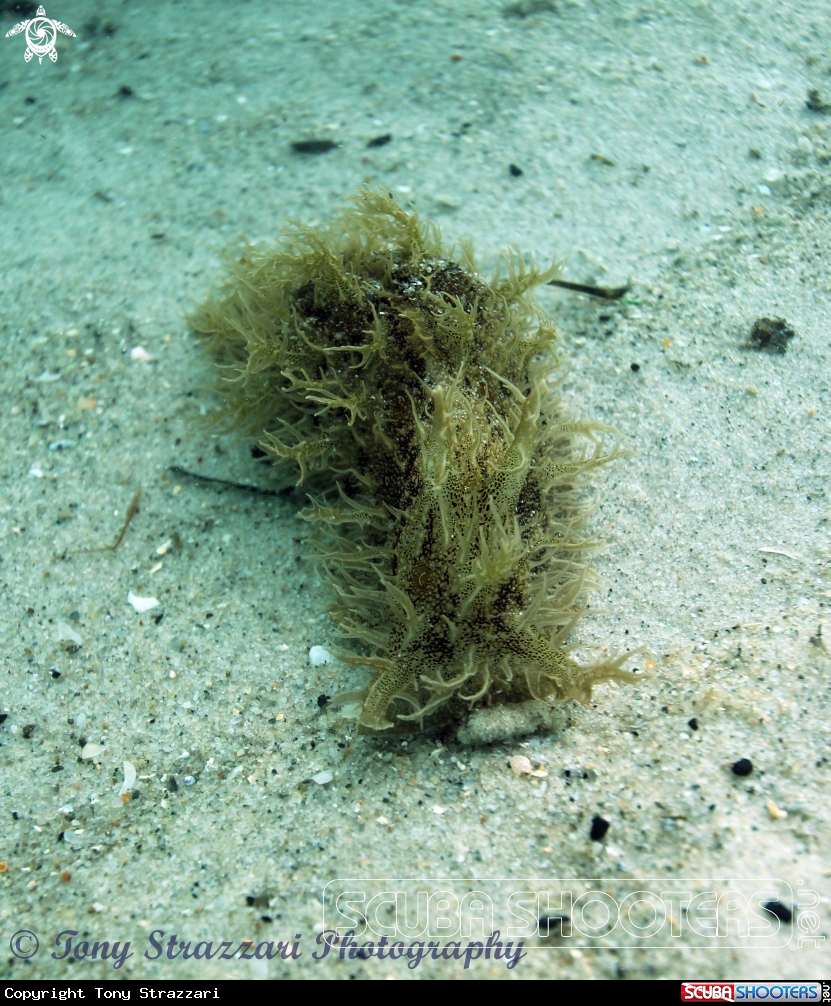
(448, 483)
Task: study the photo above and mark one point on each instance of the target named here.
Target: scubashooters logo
(579, 912)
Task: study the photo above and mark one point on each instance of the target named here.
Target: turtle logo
(41, 32)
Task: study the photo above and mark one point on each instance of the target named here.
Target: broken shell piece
(93, 750)
(129, 778)
(320, 655)
(776, 812)
(322, 778)
(142, 604)
(520, 765)
(140, 355)
(66, 634)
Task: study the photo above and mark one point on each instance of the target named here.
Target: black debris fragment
(380, 141)
(515, 170)
(599, 828)
(742, 767)
(260, 900)
(28, 730)
(313, 146)
(778, 910)
(771, 335)
(527, 8)
(693, 724)
(551, 925)
(323, 700)
(816, 103)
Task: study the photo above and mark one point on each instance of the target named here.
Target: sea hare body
(446, 480)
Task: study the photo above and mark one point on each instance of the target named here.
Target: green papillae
(417, 401)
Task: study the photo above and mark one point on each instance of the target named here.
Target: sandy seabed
(682, 148)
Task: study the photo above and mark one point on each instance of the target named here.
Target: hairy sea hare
(417, 401)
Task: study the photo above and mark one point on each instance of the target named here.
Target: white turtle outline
(39, 27)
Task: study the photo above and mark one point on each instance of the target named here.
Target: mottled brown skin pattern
(448, 484)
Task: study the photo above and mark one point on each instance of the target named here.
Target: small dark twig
(606, 292)
(225, 482)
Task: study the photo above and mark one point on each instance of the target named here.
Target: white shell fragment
(323, 777)
(93, 750)
(66, 634)
(777, 813)
(140, 355)
(142, 604)
(320, 655)
(129, 778)
(351, 710)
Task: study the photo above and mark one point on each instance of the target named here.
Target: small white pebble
(320, 655)
(776, 812)
(439, 810)
(140, 354)
(382, 820)
(322, 778)
(142, 604)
